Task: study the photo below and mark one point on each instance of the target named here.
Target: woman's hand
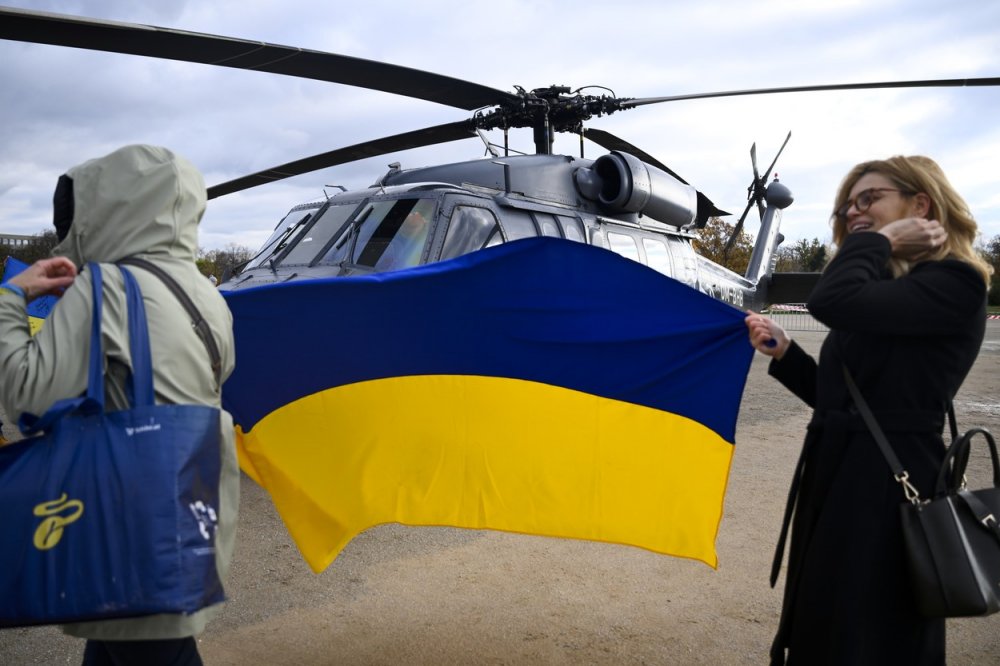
(914, 238)
(45, 276)
(767, 337)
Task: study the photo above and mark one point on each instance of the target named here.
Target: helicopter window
(623, 245)
(547, 224)
(470, 229)
(394, 233)
(518, 224)
(657, 256)
(495, 238)
(279, 237)
(572, 228)
(684, 260)
(597, 238)
(319, 235)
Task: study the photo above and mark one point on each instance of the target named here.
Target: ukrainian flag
(541, 386)
(39, 308)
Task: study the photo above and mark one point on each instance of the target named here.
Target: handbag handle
(958, 456)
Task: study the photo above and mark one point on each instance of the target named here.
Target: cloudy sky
(63, 106)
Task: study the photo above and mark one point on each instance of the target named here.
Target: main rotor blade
(146, 40)
(415, 139)
(926, 83)
(612, 142)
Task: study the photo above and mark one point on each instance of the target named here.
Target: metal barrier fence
(794, 317)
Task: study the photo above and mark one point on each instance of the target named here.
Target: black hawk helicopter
(625, 201)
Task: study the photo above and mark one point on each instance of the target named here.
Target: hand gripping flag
(541, 386)
(39, 308)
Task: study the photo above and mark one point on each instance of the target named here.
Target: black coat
(909, 343)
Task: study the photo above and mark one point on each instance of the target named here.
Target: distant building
(13, 241)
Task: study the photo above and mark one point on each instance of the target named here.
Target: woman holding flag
(904, 298)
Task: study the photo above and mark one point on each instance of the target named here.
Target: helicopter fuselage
(420, 216)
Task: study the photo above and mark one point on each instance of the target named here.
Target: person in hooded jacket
(905, 299)
(138, 201)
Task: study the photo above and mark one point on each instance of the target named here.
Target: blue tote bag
(109, 515)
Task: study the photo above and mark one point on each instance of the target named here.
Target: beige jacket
(138, 201)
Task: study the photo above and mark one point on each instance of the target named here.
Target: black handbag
(952, 540)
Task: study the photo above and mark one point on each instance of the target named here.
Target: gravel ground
(448, 596)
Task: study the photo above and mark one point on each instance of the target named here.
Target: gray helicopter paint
(601, 202)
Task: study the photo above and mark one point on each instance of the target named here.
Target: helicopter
(625, 201)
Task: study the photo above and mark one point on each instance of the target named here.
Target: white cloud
(62, 106)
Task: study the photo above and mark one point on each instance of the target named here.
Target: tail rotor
(755, 193)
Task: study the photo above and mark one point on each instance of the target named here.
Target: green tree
(991, 252)
(711, 244)
(808, 256)
(223, 263)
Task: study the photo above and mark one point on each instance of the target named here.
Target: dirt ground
(401, 595)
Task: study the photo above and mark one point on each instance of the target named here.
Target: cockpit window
(293, 222)
(393, 233)
(469, 230)
(319, 235)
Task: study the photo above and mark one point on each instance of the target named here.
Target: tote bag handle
(139, 388)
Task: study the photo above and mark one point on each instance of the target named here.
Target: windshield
(318, 235)
(279, 238)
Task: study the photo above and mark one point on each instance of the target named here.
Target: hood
(137, 200)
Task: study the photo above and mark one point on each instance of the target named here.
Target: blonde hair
(914, 174)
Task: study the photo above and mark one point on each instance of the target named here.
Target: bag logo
(206, 517)
(150, 427)
(50, 531)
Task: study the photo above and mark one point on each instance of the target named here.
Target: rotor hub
(557, 108)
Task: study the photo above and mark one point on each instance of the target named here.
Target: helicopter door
(393, 234)
(471, 228)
